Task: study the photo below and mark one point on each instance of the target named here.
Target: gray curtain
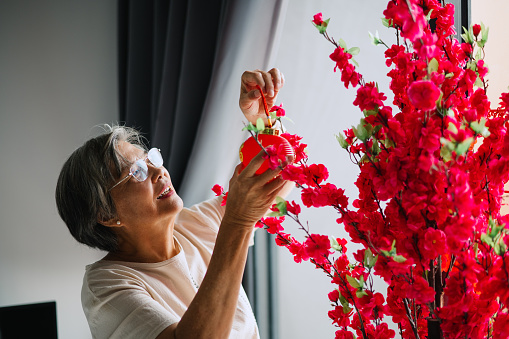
(166, 54)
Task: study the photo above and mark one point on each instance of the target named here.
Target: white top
(139, 300)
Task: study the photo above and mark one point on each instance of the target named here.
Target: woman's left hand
(250, 101)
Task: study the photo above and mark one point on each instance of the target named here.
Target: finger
(277, 79)
(269, 85)
(255, 94)
(270, 174)
(275, 185)
(238, 169)
(254, 164)
(250, 79)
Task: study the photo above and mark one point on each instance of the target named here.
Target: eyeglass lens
(139, 169)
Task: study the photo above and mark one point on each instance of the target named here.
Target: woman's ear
(110, 222)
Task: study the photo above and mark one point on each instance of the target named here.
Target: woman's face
(145, 203)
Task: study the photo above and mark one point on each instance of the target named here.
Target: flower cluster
(432, 168)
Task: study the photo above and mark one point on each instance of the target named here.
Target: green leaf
(463, 146)
(354, 50)
(343, 300)
(369, 259)
(360, 293)
(433, 66)
(250, 127)
(353, 282)
(428, 17)
(346, 309)
(369, 113)
(260, 125)
(399, 258)
(341, 139)
(372, 261)
(342, 44)
(387, 22)
(468, 36)
(335, 245)
(375, 39)
(479, 127)
(484, 36)
(452, 128)
(375, 149)
(478, 83)
(445, 153)
(281, 206)
(361, 132)
(354, 62)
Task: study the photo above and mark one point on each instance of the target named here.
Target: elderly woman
(170, 272)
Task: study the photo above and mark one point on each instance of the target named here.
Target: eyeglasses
(139, 170)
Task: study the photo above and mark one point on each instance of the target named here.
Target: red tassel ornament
(268, 137)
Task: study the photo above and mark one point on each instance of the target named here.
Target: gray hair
(82, 192)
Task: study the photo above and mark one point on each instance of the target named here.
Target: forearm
(211, 313)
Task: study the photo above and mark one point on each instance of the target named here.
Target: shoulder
(112, 293)
(208, 213)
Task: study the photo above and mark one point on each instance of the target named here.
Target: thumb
(254, 94)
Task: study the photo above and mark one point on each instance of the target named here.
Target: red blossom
(476, 29)
(349, 76)
(293, 208)
(410, 19)
(218, 190)
(423, 94)
(317, 247)
(368, 97)
(225, 197)
(273, 225)
(298, 250)
(317, 19)
(504, 103)
(280, 112)
(340, 57)
(481, 69)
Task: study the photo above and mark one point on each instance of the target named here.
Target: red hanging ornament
(268, 137)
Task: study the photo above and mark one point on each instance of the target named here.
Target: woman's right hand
(250, 195)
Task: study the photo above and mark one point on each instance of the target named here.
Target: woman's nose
(157, 172)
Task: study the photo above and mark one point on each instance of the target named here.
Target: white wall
(57, 80)
(316, 100)
(493, 13)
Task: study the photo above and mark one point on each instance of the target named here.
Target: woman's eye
(136, 172)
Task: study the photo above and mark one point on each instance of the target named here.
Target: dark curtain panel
(166, 56)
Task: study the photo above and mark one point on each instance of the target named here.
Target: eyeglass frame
(130, 168)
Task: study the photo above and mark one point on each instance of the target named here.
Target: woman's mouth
(166, 193)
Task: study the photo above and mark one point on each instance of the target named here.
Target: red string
(265, 105)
